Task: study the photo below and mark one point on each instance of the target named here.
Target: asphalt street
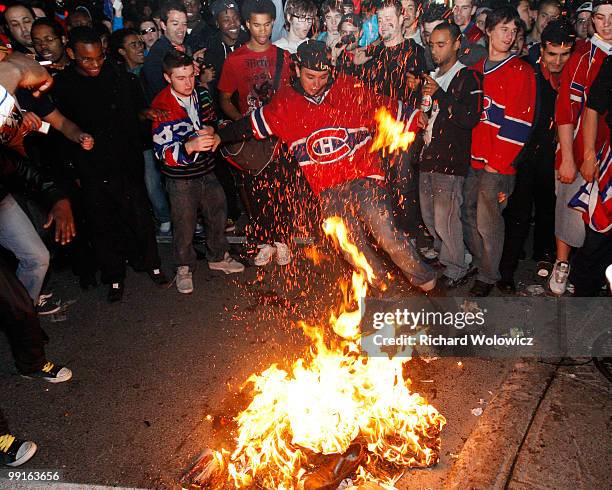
(156, 376)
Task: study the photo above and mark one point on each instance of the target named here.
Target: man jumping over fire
(328, 122)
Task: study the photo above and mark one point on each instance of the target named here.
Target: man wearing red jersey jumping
(328, 124)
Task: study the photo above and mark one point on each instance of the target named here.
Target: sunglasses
(147, 31)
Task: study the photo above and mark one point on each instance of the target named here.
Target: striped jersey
(507, 116)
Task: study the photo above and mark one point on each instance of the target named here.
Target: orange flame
(391, 134)
(328, 400)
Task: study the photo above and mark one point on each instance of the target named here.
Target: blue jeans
(365, 208)
(483, 223)
(18, 235)
(441, 198)
(155, 188)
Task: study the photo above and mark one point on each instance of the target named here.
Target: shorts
(569, 226)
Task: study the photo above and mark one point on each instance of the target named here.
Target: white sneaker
(283, 254)
(227, 265)
(184, 280)
(429, 253)
(558, 277)
(265, 255)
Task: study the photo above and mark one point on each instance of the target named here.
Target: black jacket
(18, 174)
(460, 107)
(107, 107)
(152, 74)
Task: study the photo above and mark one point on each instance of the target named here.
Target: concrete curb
(488, 455)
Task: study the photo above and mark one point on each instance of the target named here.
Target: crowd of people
(126, 125)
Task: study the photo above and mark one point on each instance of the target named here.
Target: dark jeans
(226, 176)
(365, 209)
(121, 226)
(20, 322)
(535, 186)
(483, 223)
(187, 196)
(402, 178)
(588, 273)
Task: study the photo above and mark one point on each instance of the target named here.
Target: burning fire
(331, 400)
(391, 134)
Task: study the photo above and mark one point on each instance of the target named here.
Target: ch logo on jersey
(328, 145)
(486, 106)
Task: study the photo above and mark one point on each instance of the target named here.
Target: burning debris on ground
(329, 416)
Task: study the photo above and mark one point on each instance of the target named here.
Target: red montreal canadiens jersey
(507, 116)
(576, 78)
(330, 140)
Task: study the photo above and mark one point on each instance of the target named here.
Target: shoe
(429, 253)
(227, 265)
(448, 283)
(15, 452)
(115, 292)
(184, 280)
(435, 263)
(506, 286)
(158, 277)
(230, 226)
(51, 373)
(481, 289)
(558, 277)
(472, 271)
(87, 281)
(45, 306)
(265, 255)
(283, 254)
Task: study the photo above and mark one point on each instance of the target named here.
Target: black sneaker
(51, 373)
(158, 277)
(45, 306)
(481, 289)
(15, 452)
(115, 292)
(506, 286)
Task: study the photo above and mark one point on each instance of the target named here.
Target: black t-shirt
(600, 94)
(387, 69)
(105, 106)
(217, 52)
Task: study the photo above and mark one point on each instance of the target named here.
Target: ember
(333, 408)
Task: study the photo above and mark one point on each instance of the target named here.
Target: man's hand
(86, 141)
(589, 169)
(31, 75)
(206, 140)
(117, 7)
(208, 74)
(412, 80)
(567, 170)
(360, 57)
(61, 214)
(430, 86)
(31, 122)
(154, 114)
(336, 51)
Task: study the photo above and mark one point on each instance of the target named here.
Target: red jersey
(576, 79)
(507, 115)
(330, 138)
(251, 73)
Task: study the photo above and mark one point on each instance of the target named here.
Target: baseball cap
(221, 6)
(313, 55)
(585, 7)
(353, 19)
